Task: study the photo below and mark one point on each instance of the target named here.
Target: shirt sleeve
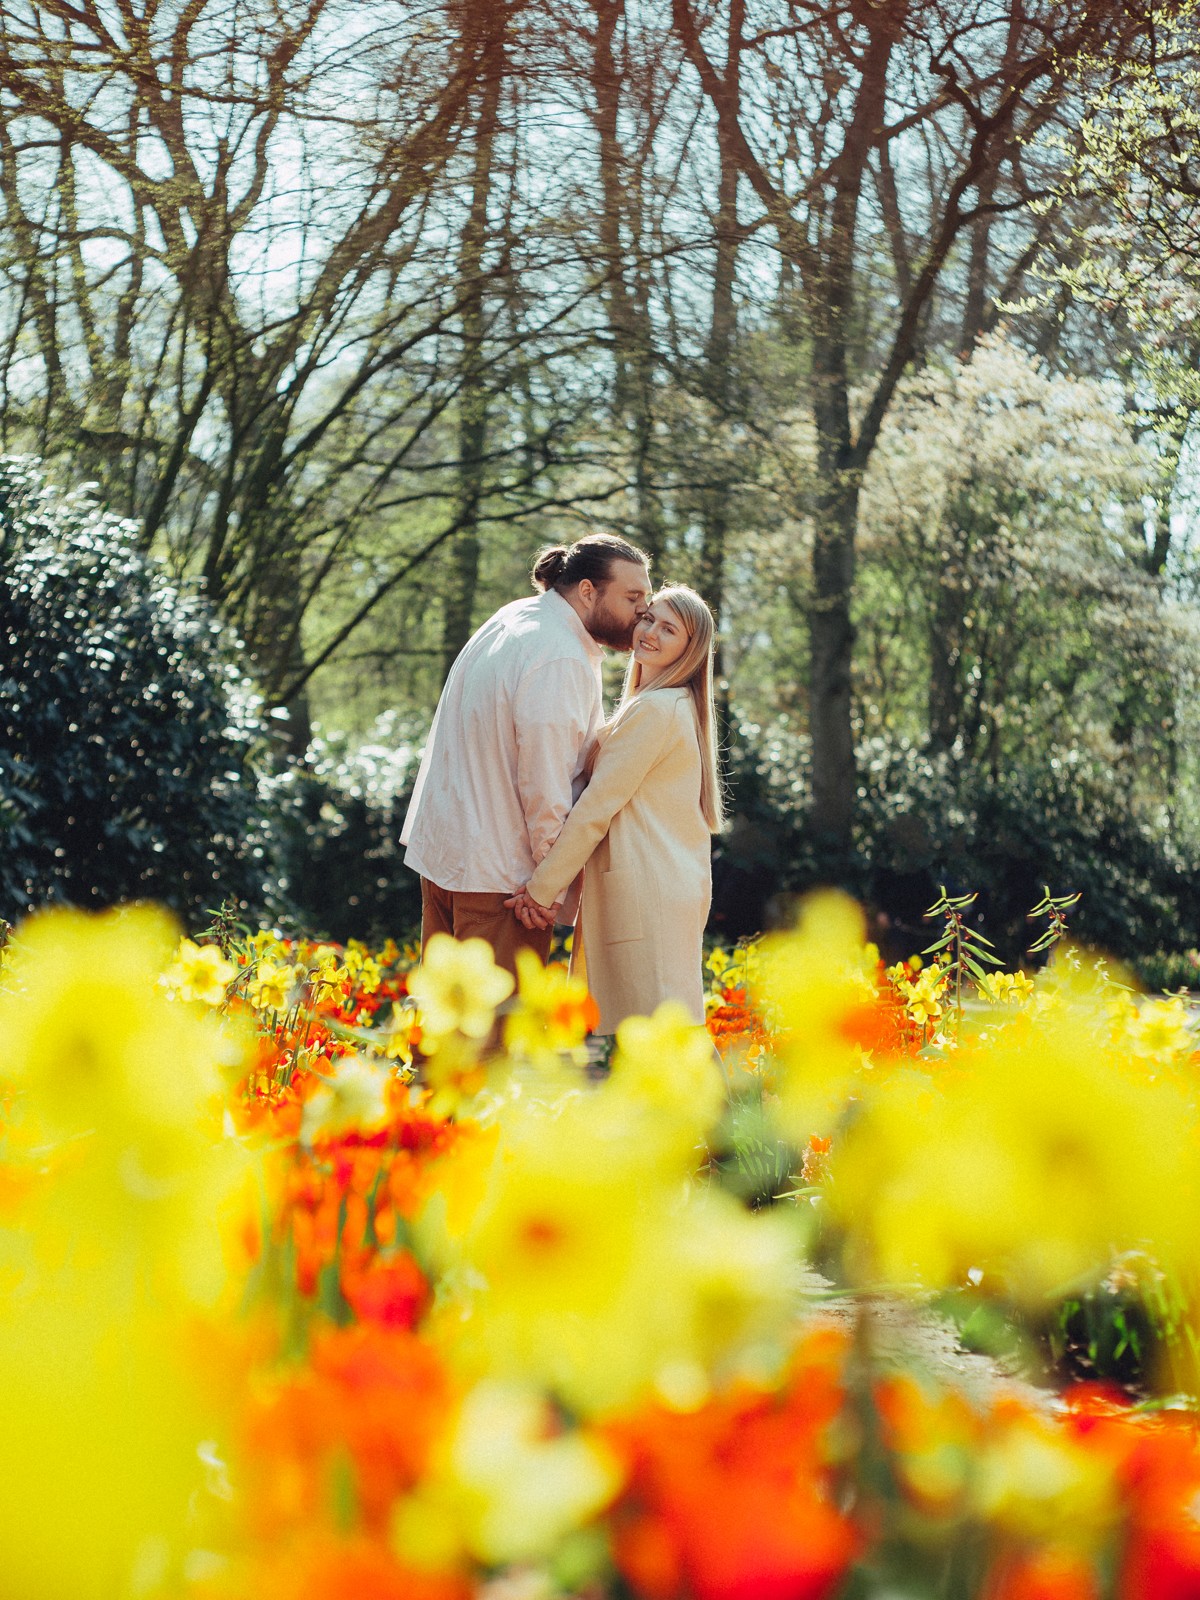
(555, 708)
(635, 745)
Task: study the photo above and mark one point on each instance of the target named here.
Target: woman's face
(659, 640)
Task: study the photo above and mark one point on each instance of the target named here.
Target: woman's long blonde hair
(694, 672)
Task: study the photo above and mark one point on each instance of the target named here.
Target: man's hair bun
(591, 557)
(549, 566)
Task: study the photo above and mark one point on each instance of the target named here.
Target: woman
(642, 828)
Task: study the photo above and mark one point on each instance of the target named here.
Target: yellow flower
(666, 1064)
(265, 942)
(370, 975)
(1034, 1481)
(1162, 1029)
(125, 1088)
(1006, 988)
(717, 962)
(1039, 1157)
(353, 1095)
(507, 1484)
(98, 1435)
(403, 1033)
(817, 978)
(923, 1005)
(271, 986)
(325, 963)
(452, 1070)
(589, 1269)
(553, 1015)
(199, 972)
(92, 1038)
(458, 987)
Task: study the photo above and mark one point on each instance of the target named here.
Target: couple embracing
(525, 794)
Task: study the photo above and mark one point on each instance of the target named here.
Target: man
(504, 762)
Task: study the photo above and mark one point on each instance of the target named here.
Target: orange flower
(1162, 1548)
(734, 1501)
(1043, 1575)
(391, 1292)
(325, 1567)
(366, 1411)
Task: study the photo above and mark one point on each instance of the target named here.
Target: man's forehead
(630, 575)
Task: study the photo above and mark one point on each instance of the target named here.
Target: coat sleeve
(636, 743)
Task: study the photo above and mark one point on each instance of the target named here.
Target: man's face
(617, 604)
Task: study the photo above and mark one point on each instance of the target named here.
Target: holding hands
(530, 913)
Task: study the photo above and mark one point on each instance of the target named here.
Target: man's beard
(607, 628)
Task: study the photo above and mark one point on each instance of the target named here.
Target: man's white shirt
(504, 761)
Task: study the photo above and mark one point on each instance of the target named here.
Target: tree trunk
(945, 657)
(831, 645)
(473, 398)
(714, 505)
(626, 285)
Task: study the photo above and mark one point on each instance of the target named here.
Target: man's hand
(530, 914)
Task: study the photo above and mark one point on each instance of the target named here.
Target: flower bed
(312, 1294)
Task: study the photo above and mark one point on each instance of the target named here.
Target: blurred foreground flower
(118, 1238)
(820, 980)
(553, 1015)
(1042, 1156)
(508, 1484)
(458, 987)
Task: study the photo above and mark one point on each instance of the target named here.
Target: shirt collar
(568, 614)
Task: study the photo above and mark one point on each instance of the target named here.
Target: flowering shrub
(312, 1292)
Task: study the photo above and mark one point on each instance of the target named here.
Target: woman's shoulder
(651, 708)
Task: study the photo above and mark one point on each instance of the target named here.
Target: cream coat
(639, 834)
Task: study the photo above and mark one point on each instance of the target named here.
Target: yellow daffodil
(507, 1485)
(92, 1038)
(271, 987)
(1033, 1480)
(553, 1014)
(402, 1034)
(1039, 1158)
(667, 1064)
(1006, 988)
(353, 1095)
(588, 1268)
(1162, 1030)
(370, 975)
(458, 987)
(816, 979)
(199, 972)
(717, 962)
(104, 1267)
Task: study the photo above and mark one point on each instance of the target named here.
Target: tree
(841, 94)
(1001, 525)
(224, 281)
(1132, 251)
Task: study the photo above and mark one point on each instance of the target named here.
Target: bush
(924, 820)
(342, 810)
(129, 738)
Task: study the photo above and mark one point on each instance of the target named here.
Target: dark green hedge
(129, 738)
(924, 820)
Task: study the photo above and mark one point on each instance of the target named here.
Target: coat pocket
(620, 906)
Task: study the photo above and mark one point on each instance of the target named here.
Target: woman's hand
(530, 914)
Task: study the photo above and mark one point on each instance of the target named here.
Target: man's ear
(586, 591)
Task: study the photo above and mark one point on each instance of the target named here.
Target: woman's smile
(659, 640)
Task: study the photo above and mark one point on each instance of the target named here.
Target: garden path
(918, 1338)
